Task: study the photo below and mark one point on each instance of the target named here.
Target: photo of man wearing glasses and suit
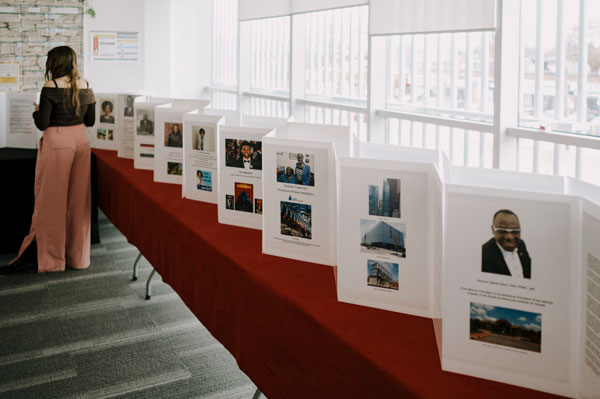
(506, 253)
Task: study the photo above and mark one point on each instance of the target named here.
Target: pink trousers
(61, 217)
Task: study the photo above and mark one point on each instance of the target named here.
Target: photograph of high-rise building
(383, 238)
(382, 274)
(384, 199)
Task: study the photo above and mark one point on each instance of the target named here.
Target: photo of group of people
(243, 154)
(203, 180)
(106, 115)
(382, 274)
(243, 199)
(383, 238)
(506, 253)
(104, 134)
(175, 168)
(173, 135)
(203, 138)
(144, 122)
(296, 219)
(507, 327)
(295, 168)
(384, 199)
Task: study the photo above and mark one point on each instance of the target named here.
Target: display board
(168, 143)
(17, 128)
(143, 143)
(105, 130)
(200, 168)
(241, 176)
(277, 124)
(125, 125)
(511, 288)
(232, 118)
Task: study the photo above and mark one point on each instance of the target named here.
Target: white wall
(158, 45)
(115, 15)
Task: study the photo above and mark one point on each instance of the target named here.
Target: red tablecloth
(280, 318)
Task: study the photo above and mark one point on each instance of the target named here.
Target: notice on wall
(114, 46)
(10, 76)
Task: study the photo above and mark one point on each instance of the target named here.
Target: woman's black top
(56, 110)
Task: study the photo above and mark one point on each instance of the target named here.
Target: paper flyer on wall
(17, 128)
(168, 143)
(232, 118)
(511, 292)
(200, 168)
(387, 253)
(143, 142)
(125, 125)
(104, 133)
(241, 176)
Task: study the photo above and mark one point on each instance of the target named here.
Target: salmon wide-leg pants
(61, 217)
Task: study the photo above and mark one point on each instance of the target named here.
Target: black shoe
(20, 266)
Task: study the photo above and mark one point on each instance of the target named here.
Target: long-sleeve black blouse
(55, 109)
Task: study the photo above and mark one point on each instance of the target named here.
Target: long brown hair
(62, 61)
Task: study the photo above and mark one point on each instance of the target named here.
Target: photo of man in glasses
(506, 252)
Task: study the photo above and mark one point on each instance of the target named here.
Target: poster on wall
(114, 46)
(10, 76)
(240, 171)
(385, 240)
(125, 125)
(200, 169)
(17, 128)
(106, 129)
(510, 287)
(168, 144)
(143, 143)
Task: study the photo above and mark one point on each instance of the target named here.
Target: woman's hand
(36, 106)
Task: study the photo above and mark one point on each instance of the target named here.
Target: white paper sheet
(106, 129)
(18, 128)
(145, 129)
(125, 125)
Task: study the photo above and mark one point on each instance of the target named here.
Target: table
(278, 317)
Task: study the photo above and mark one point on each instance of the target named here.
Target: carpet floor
(91, 334)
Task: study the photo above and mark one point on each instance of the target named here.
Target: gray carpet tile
(91, 334)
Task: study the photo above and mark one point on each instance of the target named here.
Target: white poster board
(340, 136)
(511, 317)
(105, 131)
(125, 125)
(200, 168)
(168, 144)
(277, 124)
(385, 241)
(232, 118)
(10, 76)
(240, 176)
(17, 128)
(299, 183)
(114, 46)
(143, 143)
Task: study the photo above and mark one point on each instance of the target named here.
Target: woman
(60, 226)
(174, 139)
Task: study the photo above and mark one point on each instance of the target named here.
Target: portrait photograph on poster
(128, 110)
(106, 115)
(244, 197)
(507, 327)
(173, 135)
(203, 138)
(245, 154)
(258, 206)
(203, 180)
(144, 122)
(229, 202)
(382, 274)
(101, 134)
(295, 168)
(505, 253)
(296, 219)
(174, 168)
(384, 198)
(385, 238)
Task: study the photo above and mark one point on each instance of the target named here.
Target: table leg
(258, 394)
(148, 290)
(135, 276)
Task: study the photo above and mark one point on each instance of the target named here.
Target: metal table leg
(258, 394)
(148, 289)
(135, 275)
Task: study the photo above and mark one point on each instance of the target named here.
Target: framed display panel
(300, 185)
(240, 171)
(386, 245)
(17, 128)
(143, 143)
(168, 144)
(104, 133)
(200, 168)
(511, 291)
(232, 118)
